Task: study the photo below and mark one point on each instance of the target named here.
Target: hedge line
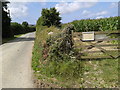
(20, 29)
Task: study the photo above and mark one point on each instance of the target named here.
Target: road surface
(16, 62)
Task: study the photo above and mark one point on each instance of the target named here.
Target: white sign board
(88, 36)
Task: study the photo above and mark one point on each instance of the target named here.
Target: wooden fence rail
(87, 49)
(101, 32)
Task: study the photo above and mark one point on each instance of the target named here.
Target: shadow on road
(21, 39)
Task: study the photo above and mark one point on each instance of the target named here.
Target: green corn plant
(103, 24)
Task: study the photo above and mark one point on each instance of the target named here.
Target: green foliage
(60, 44)
(21, 29)
(31, 28)
(41, 37)
(66, 69)
(101, 73)
(10, 29)
(59, 63)
(40, 21)
(25, 24)
(17, 28)
(50, 17)
(104, 24)
(6, 31)
(5, 40)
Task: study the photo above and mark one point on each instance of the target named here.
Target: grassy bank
(101, 73)
(55, 69)
(5, 40)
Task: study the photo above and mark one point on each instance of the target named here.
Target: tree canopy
(25, 24)
(17, 28)
(50, 17)
(21, 28)
(6, 31)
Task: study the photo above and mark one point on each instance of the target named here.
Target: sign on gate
(88, 36)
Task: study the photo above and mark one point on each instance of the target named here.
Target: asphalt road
(16, 62)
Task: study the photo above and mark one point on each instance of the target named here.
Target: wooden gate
(99, 48)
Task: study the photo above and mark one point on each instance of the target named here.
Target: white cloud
(114, 5)
(101, 13)
(64, 8)
(67, 7)
(85, 12)
(89, 14)
(18, 9)
(99, 17)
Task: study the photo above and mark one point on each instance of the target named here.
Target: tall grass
(41, 37)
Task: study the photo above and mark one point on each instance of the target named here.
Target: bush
(41, 37)
(21, 29)
(60, 44)
(25, 24)
(17, 28)
(59, 62)
(32, 28)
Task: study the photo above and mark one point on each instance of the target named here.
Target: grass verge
(68, 71)
(5, 40)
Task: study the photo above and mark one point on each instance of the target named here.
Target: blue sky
(31, 11)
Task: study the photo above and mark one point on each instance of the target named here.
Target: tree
(6, 31)
(50, 17)
(25, 24)
(17, 28)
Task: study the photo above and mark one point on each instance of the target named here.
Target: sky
(30, 10)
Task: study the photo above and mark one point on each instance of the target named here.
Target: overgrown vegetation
(52, 59)
(51, 65)
(55, 61)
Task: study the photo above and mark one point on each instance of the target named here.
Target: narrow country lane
(16, 62)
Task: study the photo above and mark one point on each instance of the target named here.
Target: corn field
(103, 24)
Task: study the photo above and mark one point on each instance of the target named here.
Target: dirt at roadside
(42, 83)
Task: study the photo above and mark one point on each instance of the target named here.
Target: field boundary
(86, 49)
